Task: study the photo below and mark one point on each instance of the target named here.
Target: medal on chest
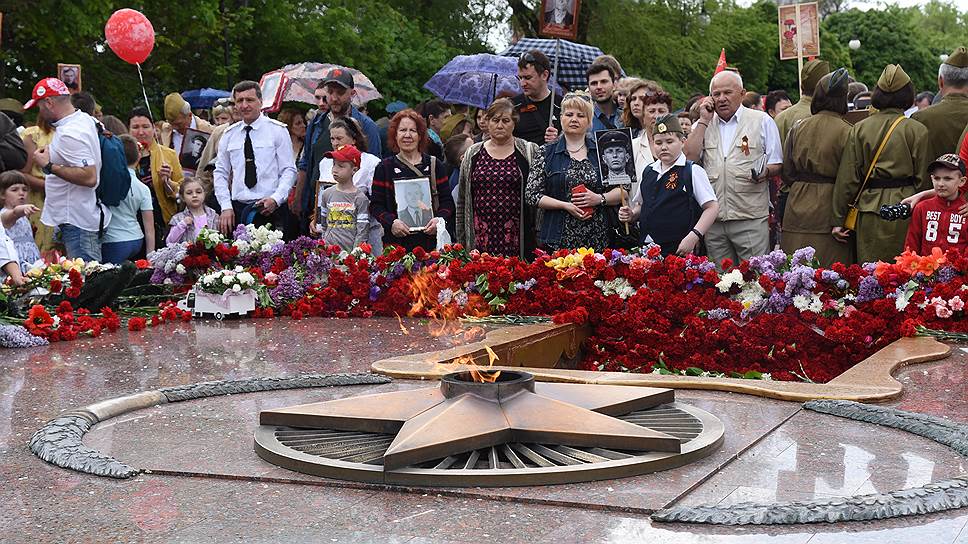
(672, 180)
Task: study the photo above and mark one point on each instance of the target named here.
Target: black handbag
(617, 237)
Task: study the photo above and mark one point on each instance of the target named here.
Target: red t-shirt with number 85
(935, 223)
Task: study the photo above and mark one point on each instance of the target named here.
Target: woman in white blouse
(347, 131)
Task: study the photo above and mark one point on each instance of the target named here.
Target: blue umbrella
(475, 80)
(204, 98)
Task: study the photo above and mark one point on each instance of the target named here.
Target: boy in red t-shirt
(935, 221)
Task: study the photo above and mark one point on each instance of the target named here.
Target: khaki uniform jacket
(201, 125)
(904, 156)
(788, 117)
(206, 162)
(813, 150)
(945, 122)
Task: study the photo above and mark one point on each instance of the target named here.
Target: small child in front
(675, 203)
(13, 189)
(342, 211)
(188, 223)
(935, 221)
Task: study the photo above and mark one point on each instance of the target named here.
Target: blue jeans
(118, 252)
(80, 243)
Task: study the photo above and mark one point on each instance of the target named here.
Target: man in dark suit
(560, 13)
(416, 212)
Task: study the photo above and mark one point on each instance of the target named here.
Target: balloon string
(144, 93)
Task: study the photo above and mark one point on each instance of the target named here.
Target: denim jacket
(557, 161)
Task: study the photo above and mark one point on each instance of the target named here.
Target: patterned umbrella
(575, 58)
(302, 79)
(475, 80)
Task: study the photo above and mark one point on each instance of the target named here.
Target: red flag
(721, 65)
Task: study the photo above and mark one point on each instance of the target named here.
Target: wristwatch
(603, 200)
(48, 169)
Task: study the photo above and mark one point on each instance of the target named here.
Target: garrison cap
(893, 78)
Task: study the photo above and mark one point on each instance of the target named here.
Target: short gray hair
(725, 74)
(953, 76)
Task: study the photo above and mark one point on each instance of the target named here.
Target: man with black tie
(256, 155)
(415, 213)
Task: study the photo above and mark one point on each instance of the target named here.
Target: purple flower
(799, 281)
(374, 293)
(945, 274)
(718, 314)
(777, 302)
(869, 289)
(829, 276)
(288, 288)
(16, 336)
(802, 256)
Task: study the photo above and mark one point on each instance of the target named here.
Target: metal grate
(368, 448)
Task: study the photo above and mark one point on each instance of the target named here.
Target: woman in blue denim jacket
(572, 218)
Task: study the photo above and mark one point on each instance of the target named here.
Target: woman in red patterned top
(491, 216)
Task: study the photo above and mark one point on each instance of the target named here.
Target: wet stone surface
(773, 451)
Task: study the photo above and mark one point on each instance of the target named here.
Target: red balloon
(130, 35)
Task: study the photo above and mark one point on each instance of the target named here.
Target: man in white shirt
(179, 117)
(739, 152)
(256, 155)
(72, 164)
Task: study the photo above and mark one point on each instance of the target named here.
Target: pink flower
(943, 312)
(956, 304)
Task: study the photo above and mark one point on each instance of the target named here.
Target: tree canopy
(399, 44)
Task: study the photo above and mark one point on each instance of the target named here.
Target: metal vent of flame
(354, 455)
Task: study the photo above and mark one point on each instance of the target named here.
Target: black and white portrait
(559, 18)
(70, 74)
(615, 156)
(191, 149)
(414, 202)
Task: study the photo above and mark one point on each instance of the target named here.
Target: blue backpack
(115, 180)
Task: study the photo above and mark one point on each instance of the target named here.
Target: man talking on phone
(740, 149)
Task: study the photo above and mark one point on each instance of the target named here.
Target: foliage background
(401, 43)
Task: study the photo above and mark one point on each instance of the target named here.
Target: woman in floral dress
(491, 215)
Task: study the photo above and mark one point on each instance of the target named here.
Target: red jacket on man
(935, 223)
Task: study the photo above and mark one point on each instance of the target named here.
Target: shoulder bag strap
(877, 155)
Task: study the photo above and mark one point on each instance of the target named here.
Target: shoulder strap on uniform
(877, 155)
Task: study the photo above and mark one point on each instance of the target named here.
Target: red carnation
(56, 286)
(136, 324)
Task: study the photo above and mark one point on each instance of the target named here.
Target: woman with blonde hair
(565, 182)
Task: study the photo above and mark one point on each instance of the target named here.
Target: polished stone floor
(215, 489)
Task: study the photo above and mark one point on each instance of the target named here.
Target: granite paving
(216, 489)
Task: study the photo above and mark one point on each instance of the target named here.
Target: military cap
(893, 78)
(811, 73)
(175, 107)
(614, 138)
(11, 104)
(958, 58)
(666, 124)
(836, 83)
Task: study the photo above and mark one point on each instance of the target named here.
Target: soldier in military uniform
(809, 76)
(947, 119)
(811, 158)
(899, 172)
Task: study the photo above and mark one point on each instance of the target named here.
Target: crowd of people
(859, 175)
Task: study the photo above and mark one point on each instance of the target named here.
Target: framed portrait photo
(615, 156)
(414, 202)
(191, 148)
(559, 18)
(70, 74)
(272, 84)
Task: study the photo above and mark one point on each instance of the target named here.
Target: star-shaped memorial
(463, 415)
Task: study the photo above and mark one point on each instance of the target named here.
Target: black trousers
(277, 219)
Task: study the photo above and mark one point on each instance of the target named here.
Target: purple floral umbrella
(302, 79)
(475, 80)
